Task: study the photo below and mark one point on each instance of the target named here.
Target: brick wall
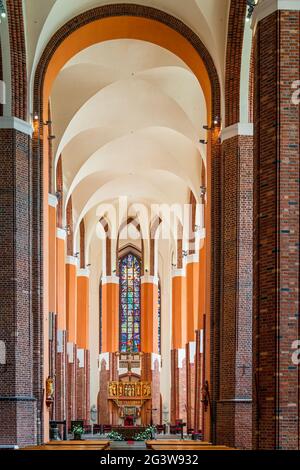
(235, 378)
(276, 242)
(18, 402)
(234, 51)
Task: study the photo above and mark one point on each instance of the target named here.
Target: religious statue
(49, 391)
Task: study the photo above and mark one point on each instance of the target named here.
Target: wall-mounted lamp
(47, 123)
(251, 5)
(76, 254)
(58, 195)
(3, 13)
(202, 191)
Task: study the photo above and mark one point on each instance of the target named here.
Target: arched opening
(100, 26)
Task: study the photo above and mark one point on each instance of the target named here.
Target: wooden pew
(174, 442)
(178, 447)
(81, 443)
(69, 448)
(71, 445)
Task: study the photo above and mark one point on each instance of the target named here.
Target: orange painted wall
(192, 293)
(83, 312)
(110, 317)
(71, 302)
(179, 306)
(149, 318)
(202, 284)
(52, 265)
(61, 284)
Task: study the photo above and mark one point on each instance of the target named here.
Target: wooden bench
(81, 443)
(173, 442)
(59, 448)
(189, 447)
(71, 445)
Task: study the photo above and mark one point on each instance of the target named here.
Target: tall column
(50, 343)
(61, 334)
(199, 423)
(82, 335)
(276, 215)
(71, 317)
(192, 295)
(151, 360)
(178, 353)
(234, 406)
(110, 345)
(18, 405)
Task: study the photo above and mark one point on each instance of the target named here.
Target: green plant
(145, 435)
(78, 430)
(114, 436)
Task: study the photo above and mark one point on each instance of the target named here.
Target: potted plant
(77, 432)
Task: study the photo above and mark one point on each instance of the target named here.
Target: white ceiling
(127, 114)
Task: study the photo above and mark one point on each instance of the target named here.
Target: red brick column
(108, 365)
(190, 383)
(150, 372)
(81, 385)
(198, 381)
(71, 382)
(234, 407)
(276, 244)
(178, 385)
(61, 376)
(19, 404)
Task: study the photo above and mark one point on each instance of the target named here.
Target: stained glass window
(130, 303)
(159, 317)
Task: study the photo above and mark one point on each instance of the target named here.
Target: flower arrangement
(114, 436)
(77, 431)
(146, 435)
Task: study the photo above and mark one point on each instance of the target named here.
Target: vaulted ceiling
(128, 114)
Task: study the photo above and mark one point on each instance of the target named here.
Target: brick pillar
(71, 318)
(150, 372)
(82, 341)
(61, 376)
(71, 382)
(80, 385)
(198, 412)
(178, 353)
(276, 215)
(61, 333)
(108, 372)
(178, 385)
(87, 386)
(19, 407)
(234, 407)
(192, 311)
(151, 360)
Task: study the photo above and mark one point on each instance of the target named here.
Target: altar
(128, 432)
(129, 397)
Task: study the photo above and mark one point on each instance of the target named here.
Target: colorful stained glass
(130, 303)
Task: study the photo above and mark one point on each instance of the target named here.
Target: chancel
(149, 224)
